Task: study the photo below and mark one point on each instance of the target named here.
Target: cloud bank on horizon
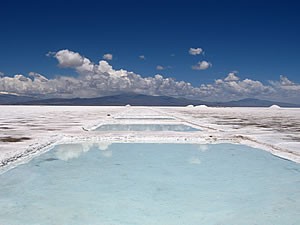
(100, 79)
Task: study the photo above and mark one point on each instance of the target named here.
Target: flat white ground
(25, 130)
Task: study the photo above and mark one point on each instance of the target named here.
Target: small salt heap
(274, 107)
(202, 106)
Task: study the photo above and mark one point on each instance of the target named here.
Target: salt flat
(26, 130)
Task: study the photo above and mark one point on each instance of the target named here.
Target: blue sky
(258, 40)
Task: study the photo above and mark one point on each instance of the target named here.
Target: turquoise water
(152, 184)
(146, 127)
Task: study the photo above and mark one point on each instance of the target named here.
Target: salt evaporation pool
(152, 184)
(146, 127)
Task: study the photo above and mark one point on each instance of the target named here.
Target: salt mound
(190, 106)
(275, 107)
(127, 105)
(201, 106)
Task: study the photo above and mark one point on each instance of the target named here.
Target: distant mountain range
(134, 100)
(11, 99)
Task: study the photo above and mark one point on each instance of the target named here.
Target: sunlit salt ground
(146, 127)
(152, 184)
(26, 129)
(144, 118)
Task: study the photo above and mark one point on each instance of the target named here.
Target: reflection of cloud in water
(103, 146)
(71, 151)
(203, 148)
(194, 160)
(104, 149)
(86, 147)
(107, 154)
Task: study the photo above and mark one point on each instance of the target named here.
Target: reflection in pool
(146, 127)
(161, 184)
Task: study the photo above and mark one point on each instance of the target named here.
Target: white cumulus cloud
(68, 58)
(160, 67)
(100, 79)
(232, 88)
(232, 77)
(38, 77)
(202, 65)
(195, 51)
(108, 56)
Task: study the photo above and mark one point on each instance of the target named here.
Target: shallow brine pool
(146, 127)
(152, 184)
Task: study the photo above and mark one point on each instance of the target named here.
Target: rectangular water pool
(146, 127)
(152, 184)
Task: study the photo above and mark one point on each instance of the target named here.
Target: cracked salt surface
(274, 130)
